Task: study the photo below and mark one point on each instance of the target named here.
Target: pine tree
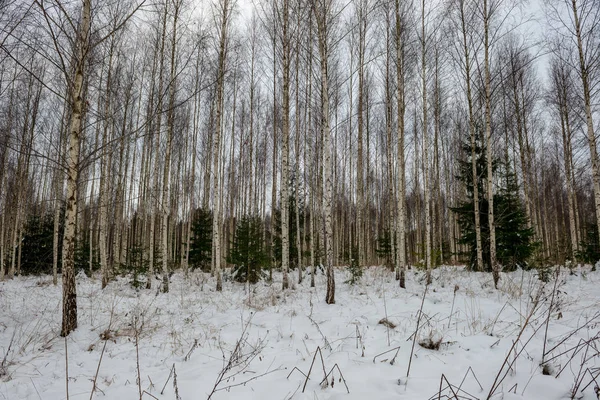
(201, 240)
(514, 240)
(247, 252)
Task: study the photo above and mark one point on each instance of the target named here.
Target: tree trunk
(157, 130)
(165, 202)
(584, 68)
(400, 174)
(285, 151)
(225, 11)
(467, 64)
(77, 102)
(488, 141)
(322, 15)
(426, 177)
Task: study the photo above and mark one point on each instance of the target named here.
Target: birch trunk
(360, 185)
(426, 177)
(467, 64)
(105, 163)
(400, 174)
(157, 130)
(166, 209)
(584, 70)
(322, 15)
(285, 151)
(225, 10)
(77, 102)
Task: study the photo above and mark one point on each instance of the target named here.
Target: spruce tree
(385, 248)
(294, 251)
(37, 252)
(589, 250)
(201, 240)
(514, 240)
(247, 252)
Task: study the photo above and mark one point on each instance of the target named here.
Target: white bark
(76, 99)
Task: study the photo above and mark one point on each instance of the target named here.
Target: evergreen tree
(589, 250)
(385, 248)
(38, 239)
(247, 252)
(294, 251)
(515, 243)
(201, 240)
(514, 240)
(136, 265)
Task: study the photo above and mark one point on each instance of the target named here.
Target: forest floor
(194, 342)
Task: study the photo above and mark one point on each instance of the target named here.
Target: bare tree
(581, 33)
(323, 11)
(223, 10)
(464, 22)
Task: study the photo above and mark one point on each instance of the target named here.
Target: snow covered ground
(254, 341)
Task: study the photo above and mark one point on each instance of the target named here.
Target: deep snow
(197, 329)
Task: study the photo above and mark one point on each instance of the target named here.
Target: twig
(474, 376)
(98, 370)
(295, 369)
(387, 326)
(498, 380)
(311, 366)
(452, 308)
(443, 378)
(33, 383)
(594, 318)
(237, 358)
(341, 377)
(189, 353)
(137, 359)
(3, 370)
(67, 367)
(549, 314)
(387, 351)
(170, 373)
(593, 380)
(416, 330)
(359, 339)
(150, 394)
(177, 397)
(457, 392)
(249, 380)
(326, 344)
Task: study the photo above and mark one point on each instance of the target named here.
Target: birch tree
(323, 11)
(580, 31)
(463, 20)
(223, 15)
